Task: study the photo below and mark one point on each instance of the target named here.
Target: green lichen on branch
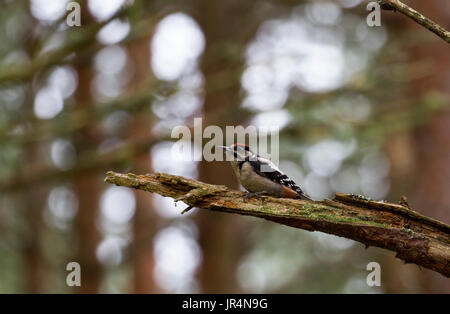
(415, 238)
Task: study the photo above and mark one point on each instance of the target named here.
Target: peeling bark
(415, 238)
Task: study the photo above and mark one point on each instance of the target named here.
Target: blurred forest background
(361, 109)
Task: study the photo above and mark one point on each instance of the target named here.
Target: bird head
(240, 152)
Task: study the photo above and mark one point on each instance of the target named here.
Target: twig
(397, 5)
(187, 209)
(415, 238)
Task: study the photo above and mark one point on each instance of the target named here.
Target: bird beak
(225, 148)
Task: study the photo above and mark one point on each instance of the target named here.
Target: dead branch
(417, 17)
(415, 238)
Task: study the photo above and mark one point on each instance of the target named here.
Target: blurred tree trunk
(420, 159)
(221, 236)
(35, 199)
(35, 202)
(144, 223)
(433, 140)
(87, 186)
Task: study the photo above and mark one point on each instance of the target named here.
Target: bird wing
(269, 170)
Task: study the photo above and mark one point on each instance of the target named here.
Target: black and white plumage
(259, 175)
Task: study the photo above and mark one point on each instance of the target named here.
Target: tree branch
(78, 39)
(89, 161)
(72, 120)
(415, 238)
(417, 17)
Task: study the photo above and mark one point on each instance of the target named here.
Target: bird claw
(258, 195)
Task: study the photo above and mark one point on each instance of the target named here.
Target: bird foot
(258, 195)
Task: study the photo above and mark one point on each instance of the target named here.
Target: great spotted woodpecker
(260, 176)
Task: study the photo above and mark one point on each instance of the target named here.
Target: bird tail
(303, 196)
